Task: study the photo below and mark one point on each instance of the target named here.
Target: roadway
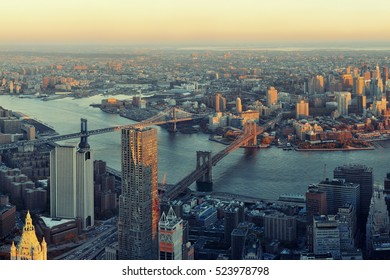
(98, 238)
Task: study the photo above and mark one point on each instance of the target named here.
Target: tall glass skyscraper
(138, 203)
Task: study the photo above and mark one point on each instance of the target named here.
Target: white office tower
(71, 183)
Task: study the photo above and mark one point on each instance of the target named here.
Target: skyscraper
(71, 183)
(138, 203)
(378, 227)
(238, 105)
(170, 230)
(326, 236)
(272, 96)
(338, 193)
(358, 85)
(361, 175)
(302, 109)
(319, 84)
(316, 203)
(343, 102)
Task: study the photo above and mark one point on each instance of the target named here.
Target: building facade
(29, 247)
(272, 96)
(326, 236)
(362, 175)
(138, 203)
(170, 229)
(71, 183)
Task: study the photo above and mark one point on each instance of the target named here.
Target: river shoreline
(349, 149)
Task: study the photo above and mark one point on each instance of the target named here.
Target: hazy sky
(190, 21)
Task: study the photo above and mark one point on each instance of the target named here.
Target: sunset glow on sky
(154, 21)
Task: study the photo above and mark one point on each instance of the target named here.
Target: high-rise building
(272, 96)
(385, 74)
(347, 227)
(326, 236)
(238, 237)
(138, 203)
(359, 85)
(238, 105)
(338, 193)
(379, 106)
(71, 183)
(280, 226)
(170, 229)
(347, 81)
(378, 227)
(11, 87)
(361, 104)
(231, 221)
(319, 84)
(220, 103)
(362, 175)
(29, 247)
(316, 203)
(343, 101)
(376, 89)
(302, 109)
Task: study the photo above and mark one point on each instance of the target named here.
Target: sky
(193, 21)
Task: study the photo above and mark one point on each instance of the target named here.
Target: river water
(265, 173)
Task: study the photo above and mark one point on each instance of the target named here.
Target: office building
(362, 175)
(338, 193)
(238, 105)
(359, 86)
(347, 81)
(347, 226)
(138, 203)
(316, 203)
(319, 85)
(378, 227)
(385, 74)
(29, 247)
(280, 226)
(170, 229)
(219, 103)
(302, 109)
(379, 106)
(272, 96)
(361, 104)
(343, 102)
(231, 221)
(238, 237)
(326, 236)
(71, 183)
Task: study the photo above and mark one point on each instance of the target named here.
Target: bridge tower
(173, 128)
(84, 132)
(251, 128)
(204, 183)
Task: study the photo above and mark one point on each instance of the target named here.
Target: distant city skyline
(189, 22)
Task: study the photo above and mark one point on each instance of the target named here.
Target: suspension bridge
(169, 116)
(205, 160)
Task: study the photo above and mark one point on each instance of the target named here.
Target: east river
(264, 173)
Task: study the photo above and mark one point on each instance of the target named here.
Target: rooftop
(52, 222)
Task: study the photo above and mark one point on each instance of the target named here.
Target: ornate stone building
(29, 247)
